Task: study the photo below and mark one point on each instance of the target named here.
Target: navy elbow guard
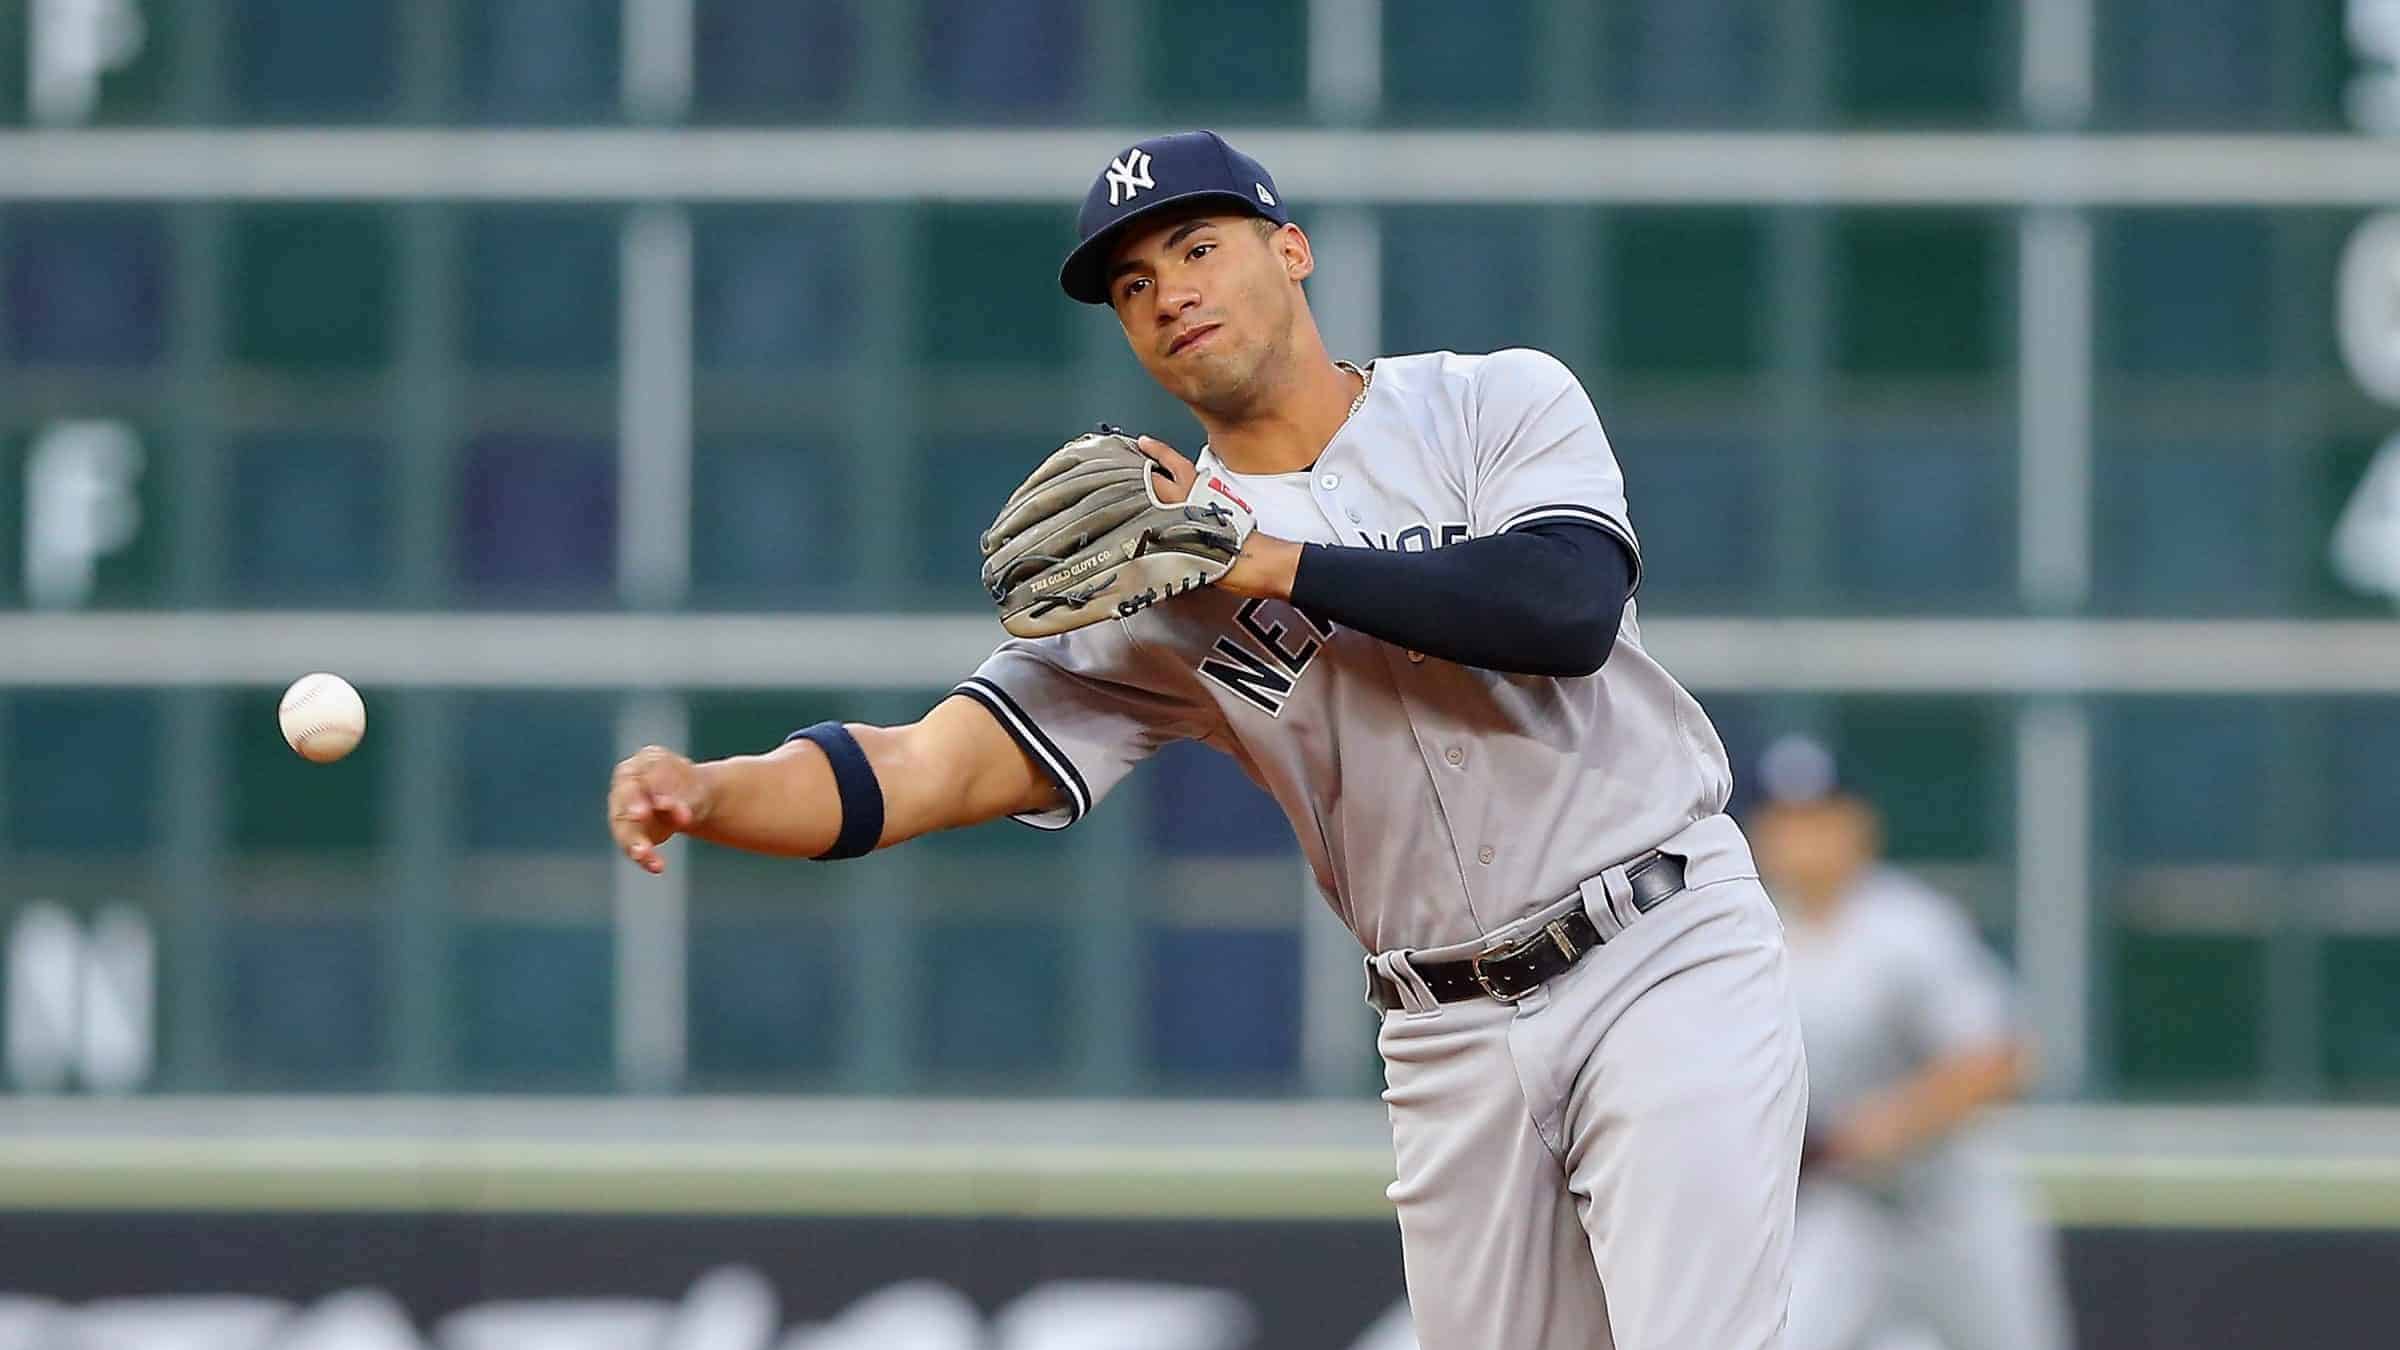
(854, 779)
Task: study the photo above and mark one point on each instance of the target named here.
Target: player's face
(1207, 303)
(1810, 851)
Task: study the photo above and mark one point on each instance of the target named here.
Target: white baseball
(322, 717)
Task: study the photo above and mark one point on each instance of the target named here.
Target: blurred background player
(1911, 1232)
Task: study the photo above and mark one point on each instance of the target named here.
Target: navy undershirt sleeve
(1543, 600)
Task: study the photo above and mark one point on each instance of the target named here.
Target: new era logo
(1128, 176)
(1265, 198)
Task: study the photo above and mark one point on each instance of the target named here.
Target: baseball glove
(1087, 538)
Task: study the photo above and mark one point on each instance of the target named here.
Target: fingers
(1179, 471)
(641, 818)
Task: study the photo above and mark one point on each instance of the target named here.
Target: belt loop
(1416, 997)
(1601, 902)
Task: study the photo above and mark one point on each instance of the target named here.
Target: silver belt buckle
(1553, 932)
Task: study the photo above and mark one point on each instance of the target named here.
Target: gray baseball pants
(1610, 1163)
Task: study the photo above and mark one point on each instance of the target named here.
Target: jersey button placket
(1484, 854)
(1455, 756)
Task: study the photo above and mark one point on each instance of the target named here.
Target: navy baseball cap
(1189, 166)
(1792, 769)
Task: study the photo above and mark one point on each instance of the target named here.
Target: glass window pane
(2365, 790)
(2187, 531)
(767, 997)
(990, 279)
(1699, 506)
(312, 287)
(537, 1003)
(997, 1001)
(86, 285)
(774, 286)
(538, 520)
(311, 520)
(541, 288)
(2186, 293)
(771, 524)
(2184, 779)
(1690, 62)
(541, 60)
(1241, 60)
(1444, 61)
(2185, 63)
(1190, 782)
(1021, 58)
(530, 762)
(1917, 293)
(277, 800)
(1927, 523)
(2361, 1018)
(308, 61)
(1934, 767)
(1224, 1007)
(957, 504)
(82, 771)
(306, 1002)
(774, 60)
(2190, 1011)
(1683, 291)
(1904, 62)
(1459, 279)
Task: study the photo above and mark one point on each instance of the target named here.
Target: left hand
(1266, 566)
(1874, 1137)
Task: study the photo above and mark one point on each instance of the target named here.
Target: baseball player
(1908, 1224)
(1401, 597)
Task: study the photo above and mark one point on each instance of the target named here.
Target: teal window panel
(955, 505)
(1919, 292)
(312, 287)
(82, 771)
(1241, 61)
(312, 520)
(86, 285)
(2364, 791)
(1008, 59)
(2362, 1015)
(2185, 531)
(1931, 523)
(1460, 279)
(990, 285)
(278, 801)
(2189, 1009)
(541, 61)
(308, 61)
(1190, 782)
(1445, 61)
(1906, 63)
(771, 525)
(1700, 507)
(767, 999)
(306, 1003)
(1685, 291)
(536, 1004)
(1934, 767)
(775, 287)
(2185, 63)
(998, 1002)
(1690, 63)
(541, 288)
(775, 60)
(533, 767)
(538, 519)
(2185, 293)
(2185, 779)
(1224, 1008)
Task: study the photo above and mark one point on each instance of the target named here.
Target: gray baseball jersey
(1894, 978)
(1435, 801)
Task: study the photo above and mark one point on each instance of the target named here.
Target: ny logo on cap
(1128, 176)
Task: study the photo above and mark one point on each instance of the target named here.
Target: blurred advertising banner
(317, 1281)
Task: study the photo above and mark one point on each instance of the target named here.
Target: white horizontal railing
(888, 651)
(1315, 167)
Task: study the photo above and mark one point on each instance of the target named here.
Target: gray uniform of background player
(1941, 1250)
(1616, 1151)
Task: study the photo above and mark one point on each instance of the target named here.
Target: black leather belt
(1510, 973)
